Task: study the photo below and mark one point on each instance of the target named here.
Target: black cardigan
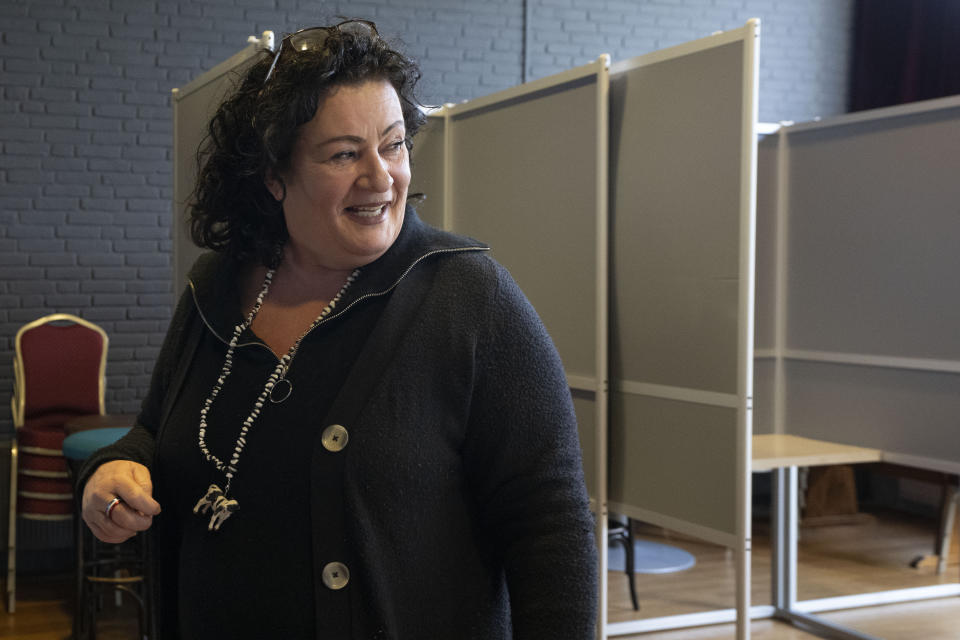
(461, 490)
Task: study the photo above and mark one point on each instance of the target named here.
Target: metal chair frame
(103, 568)
(623, 533)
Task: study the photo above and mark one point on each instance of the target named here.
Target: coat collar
(215, 279)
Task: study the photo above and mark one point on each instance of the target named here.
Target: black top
(458, 504)
(236, 567)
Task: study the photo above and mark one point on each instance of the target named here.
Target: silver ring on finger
(111, 506)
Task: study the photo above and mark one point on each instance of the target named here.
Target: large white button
(336, 575)
(334, 437)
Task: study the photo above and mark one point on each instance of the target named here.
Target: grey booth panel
(525, 181)
(898, 410)
(766, 254)
(193, 106)
(675, 220)
(764, 411)
(674, 458)
(426, 166)
(765, 302)
(874, 247)
(192, 114)
(584, 403)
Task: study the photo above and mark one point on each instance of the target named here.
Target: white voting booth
(858, 306)
(683, 125)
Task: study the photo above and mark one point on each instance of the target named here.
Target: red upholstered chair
(59, 367)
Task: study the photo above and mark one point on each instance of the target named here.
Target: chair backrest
(60, 362)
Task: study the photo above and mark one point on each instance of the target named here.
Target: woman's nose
(376, 175)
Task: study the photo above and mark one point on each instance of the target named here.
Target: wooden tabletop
(96, 421)
(771, 451)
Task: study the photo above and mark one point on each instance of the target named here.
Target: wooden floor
(45, 612)
(872, 555)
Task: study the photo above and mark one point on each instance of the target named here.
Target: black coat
(461, 491)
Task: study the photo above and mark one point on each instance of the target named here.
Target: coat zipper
(343, 310)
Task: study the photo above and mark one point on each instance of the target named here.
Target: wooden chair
(59, 372)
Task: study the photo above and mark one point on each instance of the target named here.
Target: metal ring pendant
(278, 397)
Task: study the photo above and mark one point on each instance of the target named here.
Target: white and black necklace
(277, 389)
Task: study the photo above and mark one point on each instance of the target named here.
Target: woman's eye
(344, 155)
(395, 146)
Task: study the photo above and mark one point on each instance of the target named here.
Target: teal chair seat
(80, 445)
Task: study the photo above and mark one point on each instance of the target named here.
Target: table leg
(783, 547)
(783, 538)
(948, 515)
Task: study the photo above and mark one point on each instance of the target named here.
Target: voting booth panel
(683, 217)
(765, 330)
(874, 235)
(193, 106)
(767, 298)
(873, 302)
(672, 492)
(525, 180)
(427, 171)
(681, 235)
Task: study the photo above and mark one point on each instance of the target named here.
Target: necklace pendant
(222, 507)
(208, 499)
(222, 510)
(285, 389)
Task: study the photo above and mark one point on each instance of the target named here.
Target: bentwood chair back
(59, 372)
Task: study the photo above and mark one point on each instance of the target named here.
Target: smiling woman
(345, 192)
(351, 457)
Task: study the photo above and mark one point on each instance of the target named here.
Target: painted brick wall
(804, 46)
(85, 121)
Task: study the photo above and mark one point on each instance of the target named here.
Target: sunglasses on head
(314, 38)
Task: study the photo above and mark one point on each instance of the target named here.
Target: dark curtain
(903, 51)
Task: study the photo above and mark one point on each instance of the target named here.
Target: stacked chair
(59, 368)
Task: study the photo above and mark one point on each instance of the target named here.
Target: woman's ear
(276, 187)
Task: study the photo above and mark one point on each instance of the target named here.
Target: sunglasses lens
(357, 28)
(309, 39)
(313, 39)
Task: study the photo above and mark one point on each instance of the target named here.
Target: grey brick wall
(804, 50)
(85, 121)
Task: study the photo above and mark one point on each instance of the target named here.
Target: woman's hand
(131, 483)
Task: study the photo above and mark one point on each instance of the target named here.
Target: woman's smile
(369, 213)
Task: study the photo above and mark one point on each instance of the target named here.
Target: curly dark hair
(252, 134)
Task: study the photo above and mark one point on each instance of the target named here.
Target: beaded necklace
(215, 498)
